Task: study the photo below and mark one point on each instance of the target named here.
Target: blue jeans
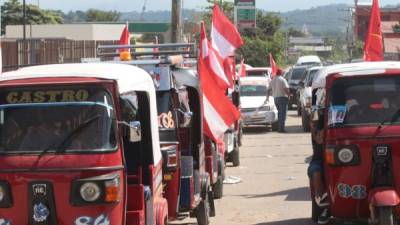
(281, 104)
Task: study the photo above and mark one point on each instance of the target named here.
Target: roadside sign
(245, 2)
(245, 17)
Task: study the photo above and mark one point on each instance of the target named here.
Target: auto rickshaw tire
(203, 212)
(305, 122)
(218, 187)
(211, 203)
(240, 135)
(235, 156)
(275, 126)
(315, 211)
(386, 216)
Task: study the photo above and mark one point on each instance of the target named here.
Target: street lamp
(24, 19)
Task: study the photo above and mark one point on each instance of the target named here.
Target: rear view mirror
(301, 84)
(135, 131)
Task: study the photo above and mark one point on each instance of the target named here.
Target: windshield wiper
(393, 117)
(71, 135)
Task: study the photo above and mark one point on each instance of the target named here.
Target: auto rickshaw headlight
(345, 155)
(90, 191)
(96, 190)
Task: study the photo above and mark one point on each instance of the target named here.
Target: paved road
(274, 190)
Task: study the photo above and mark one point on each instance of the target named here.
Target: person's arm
(286, 87)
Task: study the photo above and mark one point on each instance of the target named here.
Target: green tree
(11, 14)
(358, 51)
(396, 28)
(266, 38)
(268, 24)
(95, 15)
(292, 32)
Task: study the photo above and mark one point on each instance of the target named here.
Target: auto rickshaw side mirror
(135, 131)
(301, 83)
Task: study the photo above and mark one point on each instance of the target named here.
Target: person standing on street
(280, 92)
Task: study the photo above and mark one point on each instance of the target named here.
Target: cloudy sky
(136, 5)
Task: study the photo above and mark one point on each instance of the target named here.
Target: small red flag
(124, 39)
(373, 48)
(272, 63)
(242, 69)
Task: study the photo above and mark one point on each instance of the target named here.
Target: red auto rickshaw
(79, 145)
(359, 106)
(187, 183)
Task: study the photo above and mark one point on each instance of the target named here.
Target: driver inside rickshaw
(39, 131)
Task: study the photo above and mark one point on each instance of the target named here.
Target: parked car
(310, 60)
(257, 107)
(293, 77)
(259, 72)
(304, 97)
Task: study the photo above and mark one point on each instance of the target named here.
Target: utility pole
(24, 19)
(176, 21)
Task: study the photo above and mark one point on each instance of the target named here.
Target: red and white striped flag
(225, 37)
(219, 112)
(214, 61)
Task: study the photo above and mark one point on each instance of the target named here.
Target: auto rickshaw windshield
(49, 119)
(364, 100)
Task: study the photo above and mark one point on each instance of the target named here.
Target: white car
(305, 96)
(259, 72)
(309, 60)
(256, 108)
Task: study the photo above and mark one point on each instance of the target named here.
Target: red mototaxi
(361, 111)
(107, 169)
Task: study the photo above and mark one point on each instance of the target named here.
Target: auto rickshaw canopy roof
(128, 77)
(353, 69)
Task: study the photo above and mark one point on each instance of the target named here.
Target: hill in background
(328, 20)
(323, 20)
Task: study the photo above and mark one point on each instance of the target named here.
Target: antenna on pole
(143, 10)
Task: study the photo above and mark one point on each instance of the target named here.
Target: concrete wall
(94, 32)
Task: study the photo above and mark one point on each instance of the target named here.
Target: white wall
(68, 31)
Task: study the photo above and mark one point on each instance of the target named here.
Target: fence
(18, 53)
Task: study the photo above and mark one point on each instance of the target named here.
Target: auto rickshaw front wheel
(386, 216)
(235, 156)
(218, 187)
(203, 211)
